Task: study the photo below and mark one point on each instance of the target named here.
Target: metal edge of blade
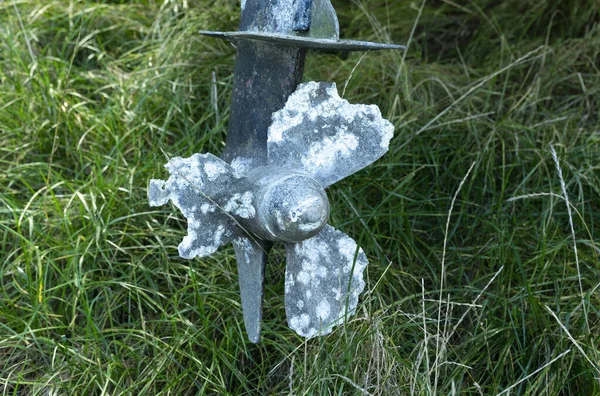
(251, 260)
(303, 42)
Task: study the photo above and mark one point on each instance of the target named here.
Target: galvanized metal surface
(302, 42)
(271, 15)
(317, 138)
(251, 258)
(284, 146)
(290, 206)
(323, 279)
(297, 24)
(265, 75)
(324, 21)
(199, 186)
(326, 137)
(303, 17)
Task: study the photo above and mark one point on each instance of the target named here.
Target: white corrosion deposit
(322, 134)
(323, 280)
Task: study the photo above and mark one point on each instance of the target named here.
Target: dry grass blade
(443, 275)
(511, 387)
(563, 187)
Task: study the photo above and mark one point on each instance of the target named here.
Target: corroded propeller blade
(208, 192)
(323, 279)
(251, 258)
(325, 136)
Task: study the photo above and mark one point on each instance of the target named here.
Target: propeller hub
(293, 208)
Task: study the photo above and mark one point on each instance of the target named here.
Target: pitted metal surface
(314, 141)
(285, 144)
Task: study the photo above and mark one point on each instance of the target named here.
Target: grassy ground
(470, 290)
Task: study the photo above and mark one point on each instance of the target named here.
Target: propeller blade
(325, 136)
(251, 258)
(323, 279)
(208, 192)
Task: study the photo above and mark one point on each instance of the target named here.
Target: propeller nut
(293, 208)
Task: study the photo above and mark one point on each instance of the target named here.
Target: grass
(484, 251)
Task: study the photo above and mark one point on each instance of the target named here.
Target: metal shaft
(266, 75)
